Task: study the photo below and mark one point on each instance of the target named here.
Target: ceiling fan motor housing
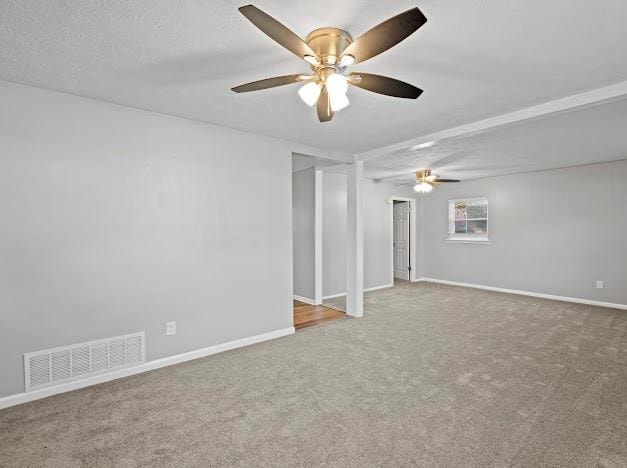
(328, 44)
(423, 174)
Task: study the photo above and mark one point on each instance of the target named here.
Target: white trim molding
(304, 299)
(20, 398)
(318, 233)
(553, 297)
(478, 240)
(384, 286)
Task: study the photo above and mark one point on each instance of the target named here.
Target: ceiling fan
(425, 181)
(329, 52)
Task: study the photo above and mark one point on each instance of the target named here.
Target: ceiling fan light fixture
(329, 51)
(423, 187)
(338, 101)
(337, 84)
(310, 93)
(347, 60)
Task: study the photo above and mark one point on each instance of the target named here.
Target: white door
(401, 240)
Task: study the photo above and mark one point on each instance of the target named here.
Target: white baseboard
(20, 398)
(385, 286)
(576, 300)
(333, 296)
(306, 300)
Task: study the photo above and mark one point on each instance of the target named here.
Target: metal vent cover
(75, 362)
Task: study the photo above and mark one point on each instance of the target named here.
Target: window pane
(460, 216)
(471, 209)
(477, 209)
(478, 227)
(468, 218)
(460, 210)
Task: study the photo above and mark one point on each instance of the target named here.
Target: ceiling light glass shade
(423, 187)
(338, 102)
(310, 93)
(337, 87)
(336, 84)
(347, 60)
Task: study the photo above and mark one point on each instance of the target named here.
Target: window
(468, 220)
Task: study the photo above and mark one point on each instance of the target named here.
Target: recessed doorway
(403, 230)
(401, 246)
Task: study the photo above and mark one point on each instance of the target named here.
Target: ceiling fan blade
(325, 114)
(399, 184)
(384, 85)
(444, 180)
(385, 35)
(270, 83)
(277, 31)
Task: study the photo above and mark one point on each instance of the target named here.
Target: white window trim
(468, 238)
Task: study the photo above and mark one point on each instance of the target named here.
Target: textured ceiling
(583, 136)
(474, 58)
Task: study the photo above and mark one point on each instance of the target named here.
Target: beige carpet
(339, 303)
(434, 375)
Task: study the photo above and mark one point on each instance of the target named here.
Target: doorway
(403, 234)
(401, 245)
(307, 235)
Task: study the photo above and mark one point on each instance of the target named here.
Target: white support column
(318, 187)
(355, 241)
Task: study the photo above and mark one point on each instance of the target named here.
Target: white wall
(303, 231)
(377, 233)
(116, 220)
(552, 232)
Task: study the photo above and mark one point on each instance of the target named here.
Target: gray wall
(116, 220)
(303, 231)
(552, 232)
(377, 232)
(333, 233)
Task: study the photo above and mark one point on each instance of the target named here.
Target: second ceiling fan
(425, 181)
(329, 52)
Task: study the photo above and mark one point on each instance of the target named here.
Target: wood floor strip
(307, 315)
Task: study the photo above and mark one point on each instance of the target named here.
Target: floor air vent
(54, 366)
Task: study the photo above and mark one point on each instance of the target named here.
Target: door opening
(401, 240)
(403, 247)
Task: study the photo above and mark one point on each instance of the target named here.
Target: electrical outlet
(170, 328)
(599, 284)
